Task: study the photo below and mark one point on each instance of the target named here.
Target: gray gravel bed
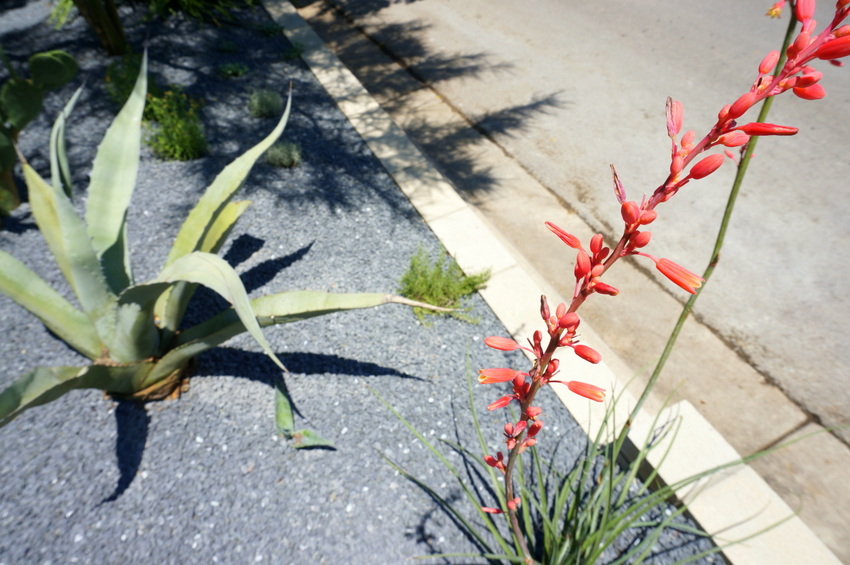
(206, 479)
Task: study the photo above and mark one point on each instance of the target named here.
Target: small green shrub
(177, 134)
(232, 70)
(284, 154)
(441, 284)
(265, 104)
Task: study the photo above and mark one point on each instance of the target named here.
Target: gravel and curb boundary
(736, 502)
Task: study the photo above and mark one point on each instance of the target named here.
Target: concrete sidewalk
(751, 414)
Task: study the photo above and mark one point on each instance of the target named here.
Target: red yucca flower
(490, 376)
(679, 275)
(587, 390)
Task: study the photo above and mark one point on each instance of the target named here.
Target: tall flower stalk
(689, 161)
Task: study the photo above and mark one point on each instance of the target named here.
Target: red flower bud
(560, 310)
(587, 390)
(533, 411)
(596, 243)
(759, 128)
(630, 212)
(734, 138)
(707, 166)
(804, 9)
(741, 105)
(834, 49)
(769, 62)
(814, 92)
(647, 217)
(569, 320)
(676, 165)
(588, 354)
(582, 264)
(607, 289)
(567, 238)
(640, 239)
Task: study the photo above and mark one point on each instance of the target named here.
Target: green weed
(265, 104)
(284, 154)
(441, 284)
(177, 134)
(232, 70)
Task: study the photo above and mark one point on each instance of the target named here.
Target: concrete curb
(735, 503)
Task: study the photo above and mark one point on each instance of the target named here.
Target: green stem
(721, 235)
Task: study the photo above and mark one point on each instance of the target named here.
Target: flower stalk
(688, 162)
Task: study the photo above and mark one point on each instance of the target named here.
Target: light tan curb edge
(735, 503)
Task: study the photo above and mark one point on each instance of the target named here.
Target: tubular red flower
(567, 238)
(501, 343)
(834, 49)
(587, 390)
(588, 353)
(490, 376)
(490, 510)
(501, 403)
(814, 92)
(679, 275)
(706, 166)
(760, 128)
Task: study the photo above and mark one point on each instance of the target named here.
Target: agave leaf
(223, 224)
(113, 179)
(26, 288)
(202, 224)
(194, 230)
(286, 307)
(66, 236)
(45, 384)
(60, 172)
(136, 335)
(173, 303)
(216, 274)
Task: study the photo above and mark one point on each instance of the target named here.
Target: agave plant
(131, 332)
